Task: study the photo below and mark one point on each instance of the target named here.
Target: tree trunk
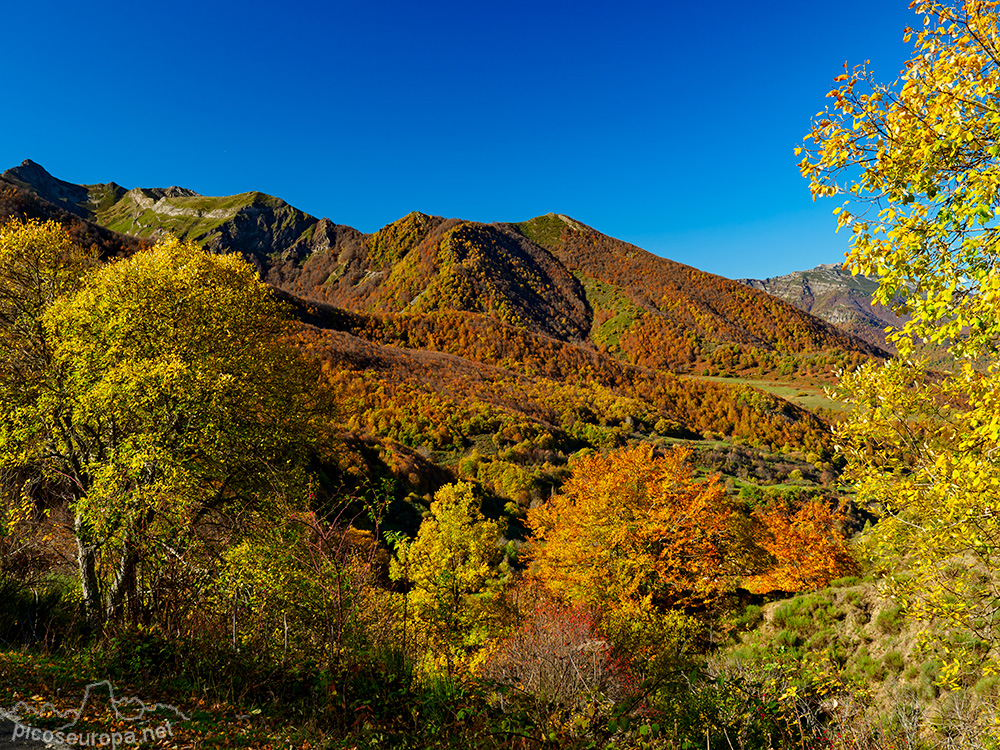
(124, 581)
(87, 558)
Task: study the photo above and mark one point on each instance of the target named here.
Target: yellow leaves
(165, 385)
(45, 254)
(921, 452)
(892, 132)
(455, 571)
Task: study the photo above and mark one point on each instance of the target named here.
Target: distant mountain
(557, 276)
(82, 200)
(29, 192)
(551, 275)
(832, 293)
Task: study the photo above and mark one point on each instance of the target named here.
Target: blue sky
(667, 124)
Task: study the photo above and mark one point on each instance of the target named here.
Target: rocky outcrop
(832, 293)
(156, 200)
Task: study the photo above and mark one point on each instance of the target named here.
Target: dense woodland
(402, 544)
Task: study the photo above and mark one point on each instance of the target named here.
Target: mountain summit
(552, 274)
(81, 200)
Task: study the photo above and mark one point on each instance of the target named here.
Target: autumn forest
(519, 484)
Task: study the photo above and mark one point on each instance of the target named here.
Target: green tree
(157, 392)
(919, 163)
(457, 570)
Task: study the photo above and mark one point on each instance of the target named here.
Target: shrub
(787, 639)
(557, 657)
(750, 619)
(890, 619)
(893, 661)
(845, 582)
(988, 687)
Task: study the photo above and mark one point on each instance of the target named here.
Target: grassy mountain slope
(259, 226)
(852, 652)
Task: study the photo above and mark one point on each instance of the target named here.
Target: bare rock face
(830, 292)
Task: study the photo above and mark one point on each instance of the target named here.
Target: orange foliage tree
(635, 531)
(634, 534)
(808, 548)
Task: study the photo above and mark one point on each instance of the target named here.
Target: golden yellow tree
(156, 392)
(918, 162)
(456, 569)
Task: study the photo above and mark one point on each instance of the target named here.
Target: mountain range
(551, 274)
(494, 351)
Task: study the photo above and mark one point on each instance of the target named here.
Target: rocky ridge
(832, 293)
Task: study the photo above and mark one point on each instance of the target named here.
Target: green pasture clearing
(807, 396)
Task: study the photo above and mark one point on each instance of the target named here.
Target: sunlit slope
(551, 275)
(832, 293)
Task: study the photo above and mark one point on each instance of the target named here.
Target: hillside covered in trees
(180, 440)
(550, 275)
(457, 484)
(494, 352)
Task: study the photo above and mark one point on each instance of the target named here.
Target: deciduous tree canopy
(452, 567)
(633, 530)
(155, 392)
(919, 161)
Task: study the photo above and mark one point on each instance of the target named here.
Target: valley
(438, 334)
(466, 390)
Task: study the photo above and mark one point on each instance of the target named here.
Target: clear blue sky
(668, 124)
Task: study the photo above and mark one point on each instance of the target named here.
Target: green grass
(543, 230)
(890, 620)
(103, 197)
(711, 444)
(127, 216)
(851, 635)
(807, 396)
(606, 297)
(225, 203)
